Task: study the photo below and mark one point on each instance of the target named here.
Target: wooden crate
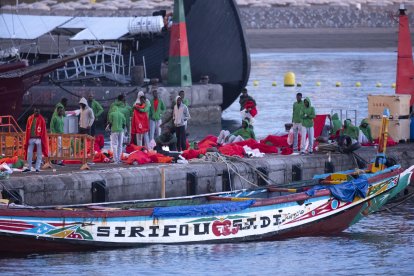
(399, 105)
(397, 129)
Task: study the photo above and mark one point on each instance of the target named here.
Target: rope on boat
(405, 199)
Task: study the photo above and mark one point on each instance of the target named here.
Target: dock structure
(105, 182)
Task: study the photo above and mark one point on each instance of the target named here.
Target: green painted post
(179, 70)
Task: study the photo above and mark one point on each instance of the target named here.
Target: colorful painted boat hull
(233, 219)
(377, 203)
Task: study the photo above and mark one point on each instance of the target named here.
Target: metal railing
(70, 147)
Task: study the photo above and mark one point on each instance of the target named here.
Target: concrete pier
(105, 182)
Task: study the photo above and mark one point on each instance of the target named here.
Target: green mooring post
(179, 70)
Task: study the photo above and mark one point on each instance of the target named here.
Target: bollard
(13, 195)
(260, 180)
(226, 181)
(296, 172)
(192, 183)
(99, 191)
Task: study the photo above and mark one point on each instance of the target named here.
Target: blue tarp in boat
(345, 191)
(201, 210)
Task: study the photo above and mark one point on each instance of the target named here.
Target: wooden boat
(269, 213)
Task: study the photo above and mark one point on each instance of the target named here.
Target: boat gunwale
(145, 212)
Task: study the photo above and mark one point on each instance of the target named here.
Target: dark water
(381, 244)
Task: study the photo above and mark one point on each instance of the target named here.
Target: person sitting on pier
(97, 111)
(167, 138)
(244, 133)
(336, 125)
(365, 135)
(140, 120)
(86, 117)
(36, 135)
(350, 130)
(156, 112)
(117, 121)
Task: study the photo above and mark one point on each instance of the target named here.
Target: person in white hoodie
(86, 117)
(180, 118)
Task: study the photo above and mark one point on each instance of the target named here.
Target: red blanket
(208, 142)
(276, 141)
(250, 105)
(140, 122)
(40, 131)
(232, 149)
(253, 144)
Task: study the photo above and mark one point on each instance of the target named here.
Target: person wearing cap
(180, 117)
(86, 117)
(156, 112)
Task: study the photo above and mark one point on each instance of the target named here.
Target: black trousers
(181, 138)
(84, 131)
(93, 129)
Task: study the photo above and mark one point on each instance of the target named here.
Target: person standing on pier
(140, 120)
(56, 127)
(180, 117)
(117, 121)
(124, 108)
(183, 99)
(307, 116)
(86, 117)
(97, 111)
(36, 135)
(247, 106)
(297, 120)
(157, 109)
(62, 104)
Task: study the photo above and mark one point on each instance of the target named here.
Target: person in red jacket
(36, 135)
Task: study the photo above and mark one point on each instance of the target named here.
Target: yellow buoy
(299, 84)
(318, 83)
(379, 84)
(358, 84)
(289, 79)
(255, 83)
(393, 85)
(338, 83)
(274, 83)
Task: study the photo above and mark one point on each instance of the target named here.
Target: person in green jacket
(63, 103)
(244, 133)
(335, 124)
(117, 121)
(56, 127)
(156, 111)
(297, 120)
(365, 135)
(350, 130)
(307, 114)
(124, 108)
(97, 111)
